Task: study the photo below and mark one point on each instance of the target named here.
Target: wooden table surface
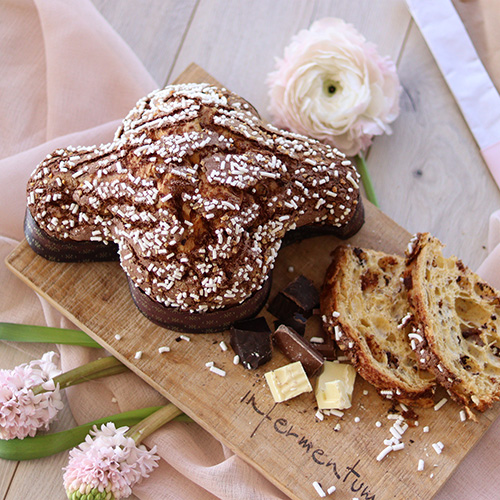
(428, 175)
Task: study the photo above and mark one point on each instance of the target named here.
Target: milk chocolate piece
(296, 348)
(298, 297)
(251, 341)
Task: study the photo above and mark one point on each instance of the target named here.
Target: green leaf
(366, 179)
(31, 333)
(102, 367)
(45, 445)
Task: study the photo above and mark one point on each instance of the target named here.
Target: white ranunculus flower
(332, 85)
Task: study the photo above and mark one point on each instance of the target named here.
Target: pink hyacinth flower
(23, 413)
(107, 465)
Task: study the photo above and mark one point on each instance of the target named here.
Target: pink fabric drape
(68, 78)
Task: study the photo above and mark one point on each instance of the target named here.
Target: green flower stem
(102, 367)
(44, 445)
(31, 333)
(153, 422)
(366, 179)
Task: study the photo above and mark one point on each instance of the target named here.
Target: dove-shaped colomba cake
(194, 195)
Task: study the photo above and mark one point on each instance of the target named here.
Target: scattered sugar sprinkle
(317, 340)
(463, 416)
(218, 371)
(426, 429)
(319, 415)
(138, 355)
(404, 320)
(163, 349)
(337, 428)
(378, 424)
(331, 489)
(420, 465)
(441, 403)
(118, 337)
(395, 433)
(357, 419)
(438, 447)
(223, 346)
(336, 413)
(319, 489)
(236, 359)
(384, 452)
(185, 337)
(209, 364)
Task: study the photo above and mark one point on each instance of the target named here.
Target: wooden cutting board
(285, 441)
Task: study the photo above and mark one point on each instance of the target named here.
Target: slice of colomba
(458, 321)
(365, 308)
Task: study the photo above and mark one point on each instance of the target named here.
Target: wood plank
(284, 441)
(429, 173)
(389, 13)
(48, 470)
(237, 41)
(154, 29)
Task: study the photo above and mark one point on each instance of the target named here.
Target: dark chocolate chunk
(296, 348)
(251, 341)
(299, 296)
(297, 321)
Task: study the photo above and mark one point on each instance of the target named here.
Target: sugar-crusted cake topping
(197, 191)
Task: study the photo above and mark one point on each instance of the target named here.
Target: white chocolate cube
(335, 386)
(288, 381)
